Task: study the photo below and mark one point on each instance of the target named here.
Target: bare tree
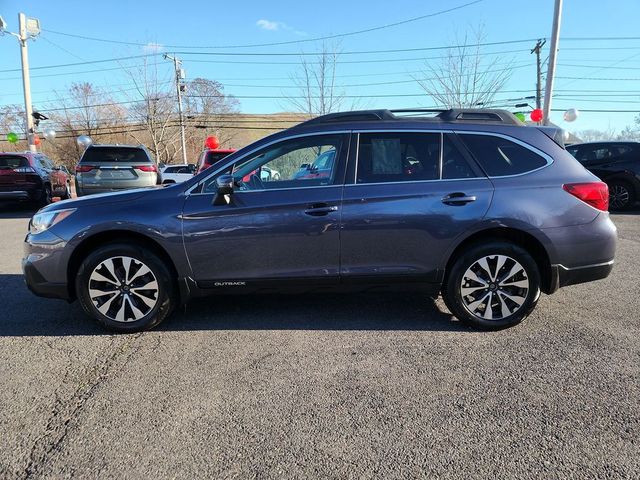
(83, 110)
(464, 77)
(12, 120)
(594, 135)
(318, 91)
(208, 108)
(153, 109)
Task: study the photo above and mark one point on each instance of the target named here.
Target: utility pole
(179, 76)
(27, 28)
(540, 43)
(551, 69)
(26, 80)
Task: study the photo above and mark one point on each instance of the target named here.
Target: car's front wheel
(492, 286)
(125, 287)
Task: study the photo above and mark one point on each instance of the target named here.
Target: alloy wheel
(494, 287)
(123, 289)
(618, 196)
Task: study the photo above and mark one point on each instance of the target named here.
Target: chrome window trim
(548, 158)
(280, 189)
(251, 152)
(417, 181)
(526, 145)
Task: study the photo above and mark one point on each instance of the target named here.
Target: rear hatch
(16, 173)
(114, 168)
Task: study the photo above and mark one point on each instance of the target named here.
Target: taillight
(84, 168)
(24, 170)
(146, 168)
(595, 194)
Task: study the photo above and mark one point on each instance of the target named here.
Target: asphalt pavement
(358, 386)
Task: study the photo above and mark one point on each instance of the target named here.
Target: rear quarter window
(115, 154)
(500, 157)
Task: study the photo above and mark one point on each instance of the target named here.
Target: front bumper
(44, 266)
(41, 287)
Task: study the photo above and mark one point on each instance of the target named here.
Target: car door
(269, 231)
(410, 195)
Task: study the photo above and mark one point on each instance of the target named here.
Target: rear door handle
(320, 209)
(458, 199)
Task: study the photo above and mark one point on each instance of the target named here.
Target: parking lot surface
(383, 386)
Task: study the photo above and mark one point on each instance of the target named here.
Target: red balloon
(212, 142)
(536, 115)
(36, 140)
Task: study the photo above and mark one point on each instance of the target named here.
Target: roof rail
(354, 116)
(454, 115)
(475, 115)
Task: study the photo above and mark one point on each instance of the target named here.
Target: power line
(290, 42)
(281, 54)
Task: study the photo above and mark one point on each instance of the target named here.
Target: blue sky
(198, 23)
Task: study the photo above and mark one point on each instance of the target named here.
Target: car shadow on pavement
(24, 314)
(381, 311)
(17, 210)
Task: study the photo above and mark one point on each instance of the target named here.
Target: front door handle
(458, 199)
(319, 209)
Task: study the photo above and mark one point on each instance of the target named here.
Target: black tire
(46, 197)
(457, 303)
(621, 195)
(165, 296)
(67, 192)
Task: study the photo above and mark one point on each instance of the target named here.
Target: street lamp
(28, 28)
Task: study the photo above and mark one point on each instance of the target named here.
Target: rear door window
(500, 157)
(454, 163)
(115, 154)
(398, 157)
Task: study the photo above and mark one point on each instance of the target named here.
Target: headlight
(42, 221)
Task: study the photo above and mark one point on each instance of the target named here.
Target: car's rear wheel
(46, 197)
(621, 195)
(125, 287)
(492, 286)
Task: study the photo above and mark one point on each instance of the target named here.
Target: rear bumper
(15, 195)
(564, 276)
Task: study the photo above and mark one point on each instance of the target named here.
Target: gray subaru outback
(470, 204)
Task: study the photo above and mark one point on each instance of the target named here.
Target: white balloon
(84, 140)
(570, 115)
(49, 134)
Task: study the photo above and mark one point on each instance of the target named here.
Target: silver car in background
(108, 168)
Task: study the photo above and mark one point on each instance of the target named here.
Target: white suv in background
(177, 173)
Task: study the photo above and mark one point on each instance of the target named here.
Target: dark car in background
(471, 204)
(110, 168)
(617, 164)
(210, 157)
(32, 177)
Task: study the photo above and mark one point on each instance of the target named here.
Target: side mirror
(224, 185)
(304, 166)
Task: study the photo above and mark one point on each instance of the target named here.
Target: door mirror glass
(224, 184)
